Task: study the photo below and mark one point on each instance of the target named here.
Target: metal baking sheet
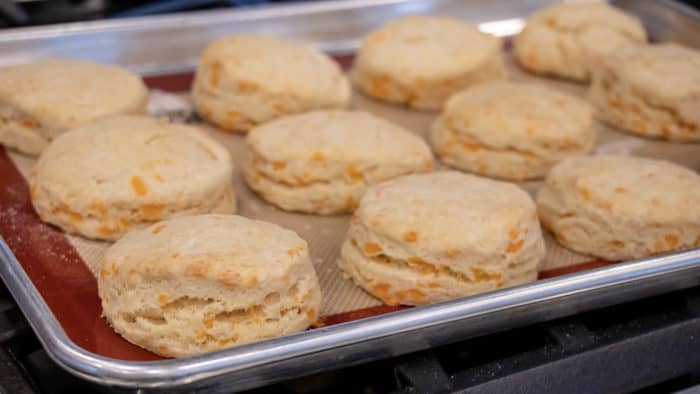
(163, 45)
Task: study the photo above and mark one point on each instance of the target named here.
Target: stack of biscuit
(243, 81)
(186, 276)
(512, 130)
(42, 100)
(322, 161)
(420, 239)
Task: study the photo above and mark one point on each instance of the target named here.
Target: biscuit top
(62, 94)
(229, 249)
(520, 115)
(249, 64)
(629, 187)
(665, 72)
(126, 160)
(596, 23)
(335, 146)
(449, 211)
(426, 47)
(343, 136)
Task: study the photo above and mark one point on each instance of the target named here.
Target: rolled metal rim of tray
(347, 343)
(176, 372)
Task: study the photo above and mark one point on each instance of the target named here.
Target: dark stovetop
(646, 346)
(38, 12)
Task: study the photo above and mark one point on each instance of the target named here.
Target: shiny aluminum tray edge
(354, 342)
(131, 42)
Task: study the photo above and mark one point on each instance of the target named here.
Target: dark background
(641, 347)
(37, 12)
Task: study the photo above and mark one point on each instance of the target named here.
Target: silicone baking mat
(62, 266)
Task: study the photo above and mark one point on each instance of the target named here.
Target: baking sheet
(60, 275)
(326, 233)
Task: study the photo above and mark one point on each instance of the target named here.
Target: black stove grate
(646, 346)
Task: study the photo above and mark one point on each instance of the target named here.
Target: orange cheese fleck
(671, 240)
(354, 174)
(559, 236)
(295, 251)
(620, 190)
(247, 86)
(318, 156)
(515, 246)
(163, 298)
(666, 132)
(75, 217)
(617, 243)
(410, 295)
(351, 204)
(410, 236)
(482, 275)
(311, 314)
(208, 320)
(381, 290)
(531, 59)
(226, 279)
(469, 147)
(452, 253)
(639, 124)
(124, 223)
(424, 267)
(105, 230)
(566, 215)
(615, 103)
(28, 123)
(371, 248)
(157, 229)
(416, 294)
(606, 204)
(512, 234)
(278, 165)
(215, 74)
(152, 211)
(380, 86)
(585, 193)
(138, 186)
